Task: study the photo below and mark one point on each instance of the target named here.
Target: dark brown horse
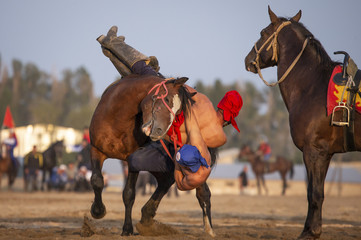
(304, 91)
(7, 167)
(52, 157)
(260, 168)
(118, 128)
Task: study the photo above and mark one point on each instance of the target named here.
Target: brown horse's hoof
(155, 228)
(98, 212)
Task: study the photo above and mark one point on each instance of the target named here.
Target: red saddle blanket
(334, 93)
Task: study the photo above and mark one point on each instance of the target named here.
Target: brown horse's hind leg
(128, 199)
(316, 164)
(97, 209)
(204, 198)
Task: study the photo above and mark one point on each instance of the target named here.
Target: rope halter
(162, 97)
(272, 40)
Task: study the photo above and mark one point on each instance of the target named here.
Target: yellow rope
(273, 43)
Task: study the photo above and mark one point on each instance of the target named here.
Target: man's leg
(152, 158)
(124, 56)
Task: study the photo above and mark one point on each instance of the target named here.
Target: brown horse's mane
(187, 102)
(186, 98)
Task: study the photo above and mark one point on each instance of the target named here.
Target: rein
(273, 43)
(174, 136)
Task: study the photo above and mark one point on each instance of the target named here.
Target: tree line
(36, 96)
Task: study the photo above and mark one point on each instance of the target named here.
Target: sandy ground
(53, 215)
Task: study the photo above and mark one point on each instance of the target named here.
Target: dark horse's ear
(180, 81)
(272, 16)
(297, 17)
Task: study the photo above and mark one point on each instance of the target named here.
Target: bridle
(155, 97)
(272, 40)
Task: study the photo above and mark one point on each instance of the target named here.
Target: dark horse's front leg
(317, 163)
(128, 199)
(97, 209)
(204, 198)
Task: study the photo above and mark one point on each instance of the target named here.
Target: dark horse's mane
(325, 61)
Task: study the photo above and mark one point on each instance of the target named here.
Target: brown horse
(118, 128)
(7, 167)
(304, 90)
(260, 168)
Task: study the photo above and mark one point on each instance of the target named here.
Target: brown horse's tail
(292, 171)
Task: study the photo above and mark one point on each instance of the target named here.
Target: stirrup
(341, 105)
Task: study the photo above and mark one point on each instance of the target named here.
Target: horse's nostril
(158, 131)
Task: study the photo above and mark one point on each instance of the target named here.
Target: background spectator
(33, 161)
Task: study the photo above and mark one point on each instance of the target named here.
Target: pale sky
(200, 39)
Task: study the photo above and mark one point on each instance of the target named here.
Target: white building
(43, 135)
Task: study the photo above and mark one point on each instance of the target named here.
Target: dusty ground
(61, 215)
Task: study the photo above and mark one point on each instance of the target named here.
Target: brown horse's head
(161, 105)
(265, 52)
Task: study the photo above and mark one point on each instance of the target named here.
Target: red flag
(8, 119)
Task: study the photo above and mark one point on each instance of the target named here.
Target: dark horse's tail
(292, 171)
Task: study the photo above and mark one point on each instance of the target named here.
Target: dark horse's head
(53, 154)
(265, 51)
(160, 106)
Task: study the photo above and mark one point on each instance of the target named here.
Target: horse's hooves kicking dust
(155, 228)
(88, 229)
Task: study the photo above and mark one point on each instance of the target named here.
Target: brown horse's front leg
(317, 163)
(204, 198)
(97, 209)
(264, 184)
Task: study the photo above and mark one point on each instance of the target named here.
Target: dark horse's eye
(166, 100)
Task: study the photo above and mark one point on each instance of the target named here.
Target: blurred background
(52, 70)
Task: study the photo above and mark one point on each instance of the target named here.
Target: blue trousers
(152, 158)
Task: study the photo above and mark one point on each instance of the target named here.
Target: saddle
(350, 79)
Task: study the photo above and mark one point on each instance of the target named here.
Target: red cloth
(177, 122)
(8, 119)
(231, 104)
(334, 93)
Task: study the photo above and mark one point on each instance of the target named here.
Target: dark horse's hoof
(308, 236)
(127, 230)
(127, 233)
(98, 212)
